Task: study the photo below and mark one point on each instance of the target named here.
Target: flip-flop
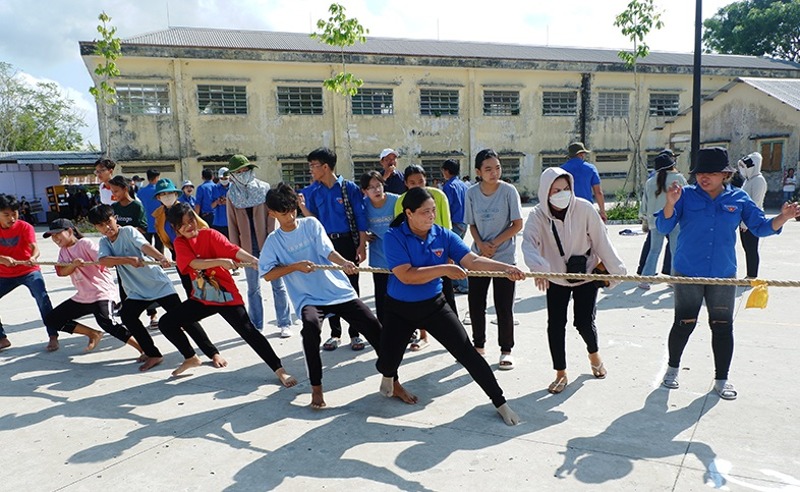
(418, 344)
(506, 362)
(557, 386)
(725, 390)
(331, 344)
(599, 371)
(357, 344)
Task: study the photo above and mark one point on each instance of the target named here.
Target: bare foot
(4, 343)
(387, 387)
(286, 379)
(193, 361)
(52, 345)
(94, 339)
(400, 392)
(509, 416)
(218, 361)
(150, 362)
(317, 402)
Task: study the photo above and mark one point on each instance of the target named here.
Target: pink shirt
(93, 282)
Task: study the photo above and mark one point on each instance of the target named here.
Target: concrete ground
(73, 421)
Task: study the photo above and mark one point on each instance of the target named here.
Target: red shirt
(16, 242)
(209, 245)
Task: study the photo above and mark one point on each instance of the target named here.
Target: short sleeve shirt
(144, 284)
(492, 215)
(379, 220)
(131, 214)
(584, 175)
(204, 195)
(92, 282)
(146, 195)
(208, 245)
(16, 242)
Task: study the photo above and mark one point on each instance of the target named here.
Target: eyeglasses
(375, 188)
(101, 171)
(313, 165)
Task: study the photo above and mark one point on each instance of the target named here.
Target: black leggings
(584, 306)
(192, 311)
(355, 312)
(750, 245)
(132, 309)
(503, 290)
(345, 247)
(436, 316)
(63, 316)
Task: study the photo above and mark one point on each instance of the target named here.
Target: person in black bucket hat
(709, 214)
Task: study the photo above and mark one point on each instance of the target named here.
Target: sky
(40, 37)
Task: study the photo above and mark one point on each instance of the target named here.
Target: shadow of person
(647, 433)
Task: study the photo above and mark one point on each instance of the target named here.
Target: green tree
(36, 117)
(756, 27)
(635, 22)
(109, 48)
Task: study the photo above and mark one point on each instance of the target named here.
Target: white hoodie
(581, 230)
(754, 185)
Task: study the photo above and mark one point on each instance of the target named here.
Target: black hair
(177, 212)
(120, 181)
(106, 163)
(412, 170)
(8, 202)
(369, 176)
(207, 174)
(661, 180)
(324, 155)
(100, 213)
(282, 198)
(413, 199)
(153, 174)
(483, 155)
(451, 166)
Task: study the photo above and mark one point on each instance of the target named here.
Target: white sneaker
(286, 331)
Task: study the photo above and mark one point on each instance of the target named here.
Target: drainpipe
(586, 97)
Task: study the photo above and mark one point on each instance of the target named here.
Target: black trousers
(155, 240)
(132, 309)
(345, 247)
(583, 308)
(191, 311)
(186, 281)
(354, 312)
(380, 281)
(503, 290)
(750, 245)
(63, 316)
(436, 316)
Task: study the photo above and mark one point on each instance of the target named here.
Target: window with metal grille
(222, 99)
(433, 166)
(772, 154)
(299, 100)
(611, 104)
(373, 101)
(360, 167)
(611, 158)
(510, 166)
(560, 103)
(438, 102)
(143, 99)
(296, 173)
(552, 161)
(664, 104)
(501, 103)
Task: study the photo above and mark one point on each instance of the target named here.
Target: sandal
(671, 378)
(418, 344)
(557, 386)
(506, 362)
(599, 371)
(357, 344)
(331, 344)
(153, 323)
(725, 390)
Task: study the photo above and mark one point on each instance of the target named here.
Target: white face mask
(168, 200)
(561, 199)
(224, 181)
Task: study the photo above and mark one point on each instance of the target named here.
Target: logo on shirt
(731, 208)
(340, 201)
(9, 242)
(438, 252)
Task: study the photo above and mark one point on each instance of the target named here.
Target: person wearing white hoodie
(756, 186)
(559, 228)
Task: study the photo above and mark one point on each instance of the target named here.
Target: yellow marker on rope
(759, 296)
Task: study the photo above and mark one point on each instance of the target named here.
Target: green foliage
(339, 31)
(36, 117)
(624, 208)
(635, 22)
(756, 27)
(108, 47)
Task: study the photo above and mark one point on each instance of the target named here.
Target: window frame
(233, 99)
(571, 106)
(664, 109)
(767, 163)
(501, 103)
(439, 107)
(608, 109)
(377, 101)
(290, 100)
(161, 101)
(289, 175)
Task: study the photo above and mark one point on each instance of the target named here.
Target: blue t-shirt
(146, 195)
(707, 238)
(221, 211)
(584, 175)
(402, 246)
(456, 191)
(327, 205)
(184, 198)
(143, 284)
(307, 242)
(204, 195)
(396, 183)
(379, 220)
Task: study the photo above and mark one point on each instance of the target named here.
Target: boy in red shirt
(18, 255)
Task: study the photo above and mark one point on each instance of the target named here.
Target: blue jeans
(720, 301)
(35, 284)
(656, 243)
(255, 306)
(788, 196)
(460, 228)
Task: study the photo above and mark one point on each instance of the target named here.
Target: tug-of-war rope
(758, 297)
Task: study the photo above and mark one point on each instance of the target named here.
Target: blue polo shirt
(146, 195)
(401, 246)
(707, 238)
(585, 175)
(328, 207)
(395, 184)
(220, 211)
(204, 195)
(456, 191)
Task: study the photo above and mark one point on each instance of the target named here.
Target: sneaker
(644, 286)
(286, 331)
